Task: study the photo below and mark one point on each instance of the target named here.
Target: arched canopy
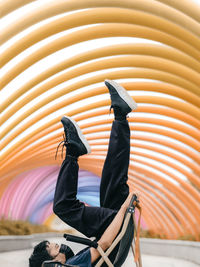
(55, 57)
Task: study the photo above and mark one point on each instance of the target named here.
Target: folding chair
(127, 237)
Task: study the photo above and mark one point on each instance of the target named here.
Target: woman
(102, 222)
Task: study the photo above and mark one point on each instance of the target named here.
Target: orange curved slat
(193, 143)
(59, 7)
(169, 218)
(180, 205)
(168, 207)
(29, 137)
(159, 110)
(186, 197)
(157, 88)
(47, 143)
(195, 227)
(140, 72)
(40, 104)
(127, 48)
(46, 149)
(9, 5)
(154, 100)
(99, 31)
(184, 6)
(100, 15)
(189, 175)
(158, 220)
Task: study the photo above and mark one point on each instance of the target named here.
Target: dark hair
(39, 255)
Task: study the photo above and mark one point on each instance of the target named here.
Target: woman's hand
(127, 201)
(61, 258)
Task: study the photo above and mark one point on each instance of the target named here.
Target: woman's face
(53, 249)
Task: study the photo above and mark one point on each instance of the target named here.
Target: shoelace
(111, 109)
(65, 143)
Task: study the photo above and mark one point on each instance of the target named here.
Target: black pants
(93, 221)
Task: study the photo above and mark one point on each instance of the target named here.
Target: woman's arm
(112, 230)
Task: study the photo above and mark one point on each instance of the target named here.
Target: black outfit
(93, 221)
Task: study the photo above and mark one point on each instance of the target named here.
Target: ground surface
(20, 258)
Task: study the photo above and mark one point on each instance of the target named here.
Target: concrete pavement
(20, 258)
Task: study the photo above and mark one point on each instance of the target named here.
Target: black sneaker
(74, 136)
(120, 98)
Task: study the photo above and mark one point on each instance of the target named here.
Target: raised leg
(91, 221)
(114, 189)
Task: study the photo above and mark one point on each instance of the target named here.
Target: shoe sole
(123, 94)
(80, 134)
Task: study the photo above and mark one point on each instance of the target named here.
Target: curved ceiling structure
(55, 57)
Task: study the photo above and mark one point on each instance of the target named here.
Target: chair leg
(136, 263)
(140, 258)
(139, 263)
